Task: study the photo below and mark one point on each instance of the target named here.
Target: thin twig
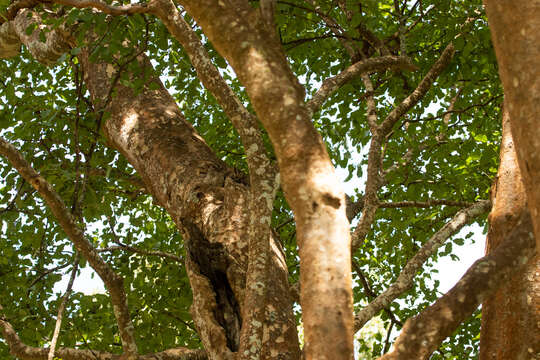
(62, 307)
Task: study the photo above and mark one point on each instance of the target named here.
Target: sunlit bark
(511, 316)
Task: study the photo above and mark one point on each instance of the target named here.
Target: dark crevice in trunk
(213, 263)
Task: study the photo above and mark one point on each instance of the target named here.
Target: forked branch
(406, 277)
(422, 335)
(330, 85)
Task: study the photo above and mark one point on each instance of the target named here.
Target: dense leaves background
(46, 112)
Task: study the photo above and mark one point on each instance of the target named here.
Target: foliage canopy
(444, 149)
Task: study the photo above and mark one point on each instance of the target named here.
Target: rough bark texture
(240, 34)
(515, 29)
(207, 200)
(511, 317)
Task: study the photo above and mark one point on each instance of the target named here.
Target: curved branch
(25, 352)
(420, 90)
(113, 282)
(405, 278)
(332, 84)
(422, 335)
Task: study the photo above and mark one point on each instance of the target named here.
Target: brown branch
(331, 84)
(424, 204)
(244, 122)
(421, 335)
(445, 115)
(142, 252)
(14, 8)
(47, 272)
(371, 294)
(113, 282)
(380, 132)
(301, 41)
(335, 28)
(420, 90)
(373, 169)
(62, 308)
(106, 8)
(134, 249)
(261, 171)
(13, 34)
(24, 352)
(353, 207)
(406, 277)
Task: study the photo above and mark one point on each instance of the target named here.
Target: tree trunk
(515, 29)
(510, 317)
(209, 203)
(240, 33)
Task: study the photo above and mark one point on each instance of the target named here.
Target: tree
(184, 198)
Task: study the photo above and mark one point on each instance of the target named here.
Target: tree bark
(242, 36)
(209, 203)
(515, 29)
(511, 317)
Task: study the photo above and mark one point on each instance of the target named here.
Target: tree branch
(62, 308)
(405, 278)
(142, 252)
(421, 335)
(420, 90)
(25, 352)
(113, 282)
(373, 169)
(137, 250)
(330, 85)
(106, 8)
(424, 204)
(262, 173)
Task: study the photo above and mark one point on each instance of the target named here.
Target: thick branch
(262, 181)
(515, 31)
(112, 281)
(423, 334)
(308, 177)
(13, 34)
(331, 84)
(405, 278)
(106, 8)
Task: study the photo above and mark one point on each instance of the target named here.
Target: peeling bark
(511, 317)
